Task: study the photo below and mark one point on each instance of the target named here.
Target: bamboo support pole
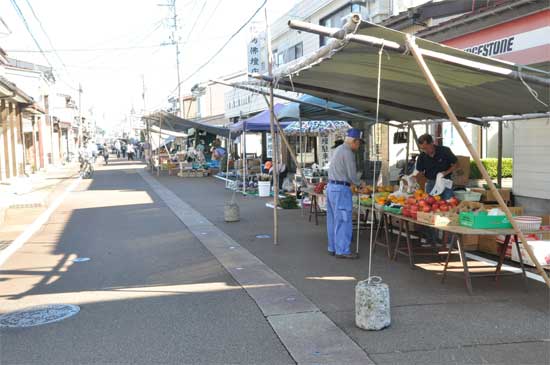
(274, 151)
(452, 117)
(285, 141)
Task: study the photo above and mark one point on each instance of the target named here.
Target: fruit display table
(456, 241)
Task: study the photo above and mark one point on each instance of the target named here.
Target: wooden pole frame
(452, 117)
(274, 151)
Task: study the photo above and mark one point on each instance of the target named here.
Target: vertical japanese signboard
(257, 58)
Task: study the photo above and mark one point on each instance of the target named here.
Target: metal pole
(79, 116)
(273, 136)
(244, 160)
(452, 117)
(158, 148)
(499, 162)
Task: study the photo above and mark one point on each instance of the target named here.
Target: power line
(20, 13)
(222, 47)
(49, 39)
(84, 49)
(195, 23)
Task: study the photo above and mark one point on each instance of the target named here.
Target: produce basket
(470, 196)
(393, 210)
(528, 223)
(481, 220)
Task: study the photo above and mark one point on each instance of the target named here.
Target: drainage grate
(26, 205)
(36, 316)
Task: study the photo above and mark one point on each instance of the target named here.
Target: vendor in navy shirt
(433, 160)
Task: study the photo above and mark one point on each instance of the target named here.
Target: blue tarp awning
(257, 123)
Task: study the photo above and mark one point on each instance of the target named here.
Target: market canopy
(345, 71)
(258, 123)
(325, 110)
(177, 124)
(317, 127)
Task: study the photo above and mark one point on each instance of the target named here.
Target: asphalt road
(151, 292)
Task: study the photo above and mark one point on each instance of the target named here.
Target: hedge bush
(491, 166)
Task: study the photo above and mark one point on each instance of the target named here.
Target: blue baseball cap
(355, 133)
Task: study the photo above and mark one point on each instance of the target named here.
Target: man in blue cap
(342, 173)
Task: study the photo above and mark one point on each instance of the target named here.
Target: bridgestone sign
(493, 48)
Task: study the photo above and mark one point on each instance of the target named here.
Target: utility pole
(174, 40)
(79, 115)
(143, 93)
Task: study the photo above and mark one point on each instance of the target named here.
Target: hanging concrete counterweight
(372, 305)
(231, 212)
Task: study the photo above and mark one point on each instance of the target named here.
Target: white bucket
(372, 305)
(264, 188)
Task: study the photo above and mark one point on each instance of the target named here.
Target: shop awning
(307, 111)
(177, 124)
(345, 71)
(258, 123)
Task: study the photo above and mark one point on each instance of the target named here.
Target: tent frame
(346, 34)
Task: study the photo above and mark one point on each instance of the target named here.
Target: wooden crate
(438, 219)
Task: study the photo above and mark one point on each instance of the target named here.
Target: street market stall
(345, 71)
(185, 160)
(249, 167)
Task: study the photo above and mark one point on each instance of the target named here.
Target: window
(336, 19)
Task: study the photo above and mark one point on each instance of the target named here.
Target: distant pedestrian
(105, 153)
(118, 148)
(123, 148)
(130, 151)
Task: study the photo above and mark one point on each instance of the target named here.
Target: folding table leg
(316, 212)
(313, 198)
(451, 246)
(398, 241)
(502, 255)
(521, 261)
(409, 244)
(464, 260)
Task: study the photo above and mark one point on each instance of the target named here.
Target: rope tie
(534, 93)
(374, 165)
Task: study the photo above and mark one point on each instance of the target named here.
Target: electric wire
(26, 24)
(196, 71)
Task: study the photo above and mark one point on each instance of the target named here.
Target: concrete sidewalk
(22, 201)
(431, 323)
(151, 293)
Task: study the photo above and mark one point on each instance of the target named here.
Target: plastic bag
(287, 184)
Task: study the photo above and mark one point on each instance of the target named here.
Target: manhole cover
(263, 236)
(36, 316)
(81, 259)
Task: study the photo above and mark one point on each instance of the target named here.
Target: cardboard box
(545, 222)
(514, 210)
(488, 244)
(461, 176)
(438, 219)
(541, 249)
(487, 195)
(470, 242)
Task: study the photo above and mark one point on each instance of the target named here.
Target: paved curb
(36, 225)
(308, 334)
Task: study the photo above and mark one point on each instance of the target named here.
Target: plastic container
(393, 210)
(481, 220)
(528, 223)
(470, 196)
(264, 188)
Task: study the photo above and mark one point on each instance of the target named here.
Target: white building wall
(532, 158)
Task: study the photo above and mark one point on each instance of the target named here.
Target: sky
(110, 46)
